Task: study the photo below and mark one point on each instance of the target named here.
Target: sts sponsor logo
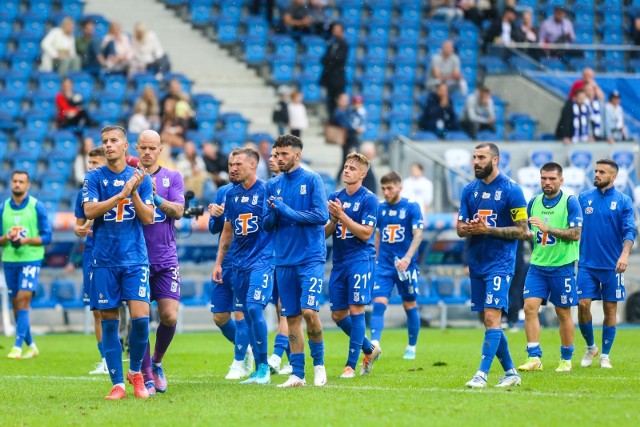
(393, 233)
(246, 223)
(487, 216)
(159, 216)
(342, 232)
(123, 211)
(545, 239)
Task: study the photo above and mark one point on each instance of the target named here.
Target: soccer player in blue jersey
(222, 299)
(253, 252)
(82, 228)
(493, 216)
(164, 278)
(607, 239)
(353, 211)
(25, 232)
(555, 219)
(398, 238)
(119, 199)
(296, 209)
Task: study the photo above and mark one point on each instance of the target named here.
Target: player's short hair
(609, 162)
(359, 158)
(391, 178)
(247, 151)
(550, 167)
(97, 152)
(418, 165)
(493, 148)
(288, 141)
(21, 172)
(116, 128)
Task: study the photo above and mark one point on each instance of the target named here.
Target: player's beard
(17, 193)
(287, 166)
(484, 172)
(601, 184)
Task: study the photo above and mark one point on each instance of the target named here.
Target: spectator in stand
(479, 113)
(59, 49)
(297, 18)
(280, 115)
(418, 188)
(352, 120)
(635, 33)
(174, 91)
(588, 76)
(614, 127)
(445, 68)
(264, 149)
(81, 161)
(503, 32)
(445, 9)
(573, 126)
(117, 50)
(138, 121)
(438, 115)
(369, 182)
(297, 111)
(321, 22)
(149, 101)
(529, 32)
(471, 11)
(557, 28)
(216, 164)
(334, 62)
(88, 48)
(172, 129)
(70, 110)
(193, 169)
(596, 112)
(148, 54)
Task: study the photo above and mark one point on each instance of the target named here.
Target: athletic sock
(241, 340)
(358, 328)
(492, 338)
(138, 342)
(100, 349)
(260, 333)
(280, 345)
(377, 320)
(147, 372)
(413, 325)
(503, 354)
(586, 329)
(28, 339)
(297, 363)
(608, 335)
(566, 352)
(229, 330)
(112, 350)
(22, 327)
(252, 339)
(164, 336)
(317, 352)
(534, 350)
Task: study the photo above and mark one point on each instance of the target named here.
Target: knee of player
(221, 318)
(254, 311)
(531, 307)
(169, 319)
(408, 305)
(584, 304)
(309, 315)
(338, 316)
(96, 315)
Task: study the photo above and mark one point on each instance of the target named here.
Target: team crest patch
(613, 206)
(403, 213)
(303, 189)
(165, 182)
(589, 210)
(356, 206)
(254, 201)
(498, 195)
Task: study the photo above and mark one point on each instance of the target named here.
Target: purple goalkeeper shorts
(165, 282)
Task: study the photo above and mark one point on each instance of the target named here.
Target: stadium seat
(458, 158)
(40, 298)
(529, 179)
(255, 51)
(48, 83)
(226, 29)
(574, 180)
(425, 136)
(63, 293)
(189, 293)
(83, 84)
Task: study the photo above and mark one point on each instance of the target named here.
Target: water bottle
(402, 275)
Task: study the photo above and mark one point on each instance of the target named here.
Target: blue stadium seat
(207, 127)
(372, 90)
(612, 66)
(314, 46)
(467, 30)
(40, 298)
(63, 293)
(10, 9)
(235, 123)
(226, 29)
(10, 104)
(83, 84)
(72, 8)
(59, 166)
(255, 51)
(457, 135)
(504, 161)
(553, 64)
(200, 12)
(29, 45)
(145, 79)
(284, 47)
(611, 34)
(399, 125)
(523, 124)
(493, 65)
(438, 31)
(48, 83)
(311, 92)
(37, 123)
(114, 86)
(425, 136)
(538, 158)
(329, 183)
(372, 131)
(16, 82)
(65, 141)
(445, 287)
(22, 62)
(256, 27)
(281, 70)
(40, 7)
(206, 103)
(626, 162)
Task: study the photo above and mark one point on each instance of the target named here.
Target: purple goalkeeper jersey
(160, 236)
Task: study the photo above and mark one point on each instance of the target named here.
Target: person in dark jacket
(438, 115)
(334, 62)
(573, 125)
(505, 31)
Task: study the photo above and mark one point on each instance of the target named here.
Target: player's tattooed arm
(623, 261)
(570, 234)
(172, 209)
(519, 231)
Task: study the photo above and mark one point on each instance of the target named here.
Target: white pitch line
(338, 386)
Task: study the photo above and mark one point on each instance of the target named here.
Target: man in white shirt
(59, 49)
(418, 188)
(614, 127)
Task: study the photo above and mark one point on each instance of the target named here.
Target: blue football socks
(490, 346)
(377, 320)
(358, 328)
(503, 354)
(566, 352)
(608, 335)
(241, 340)
(317, 352)
(297, 363)
(280, 345)
(413, 325)
(229, 330)
(22, 327)
(138, 342)
(260, 333)
(586, 329)
(113, 349)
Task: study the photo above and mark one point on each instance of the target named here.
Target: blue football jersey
(252, 244)
(500, 204)
(216, 223)
(362, 207)
(396, 224)
(118, 237)
(79, 213)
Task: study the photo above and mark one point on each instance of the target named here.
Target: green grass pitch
(55, 389)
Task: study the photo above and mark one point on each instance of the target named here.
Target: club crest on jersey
(613, 206)
(303, 189)
(105, 182)
(356, 296)
(165, 182)
(563, 299)
(498, 195)
(254, 200)
(486, 195)
(589, 210)
(403, 213)
(356, 206)
(118, 182)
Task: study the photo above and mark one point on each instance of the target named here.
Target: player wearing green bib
(555, 220)
(25, 231)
